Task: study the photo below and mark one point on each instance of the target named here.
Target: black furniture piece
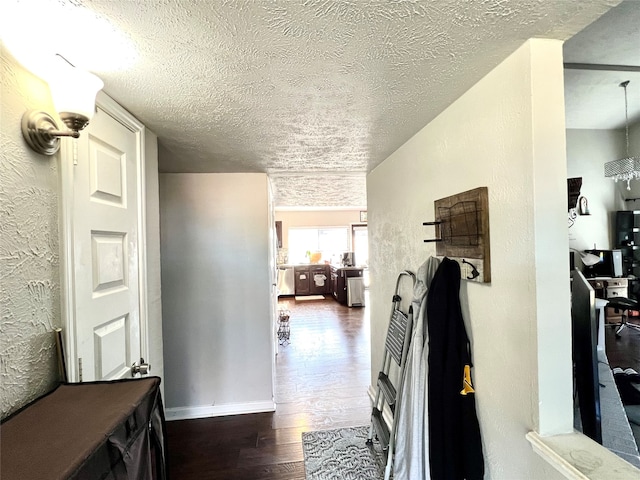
(93, 430)
(623, 305)
(339, 277)
(627, 240)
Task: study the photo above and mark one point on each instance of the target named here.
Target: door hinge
(75, 152)
(80, 369)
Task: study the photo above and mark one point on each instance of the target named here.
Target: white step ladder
(396, 348)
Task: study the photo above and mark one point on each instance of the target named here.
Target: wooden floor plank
(280, 471)
(624, 351)
(271, 454)
(280, 436)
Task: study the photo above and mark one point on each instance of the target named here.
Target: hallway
(322, 381)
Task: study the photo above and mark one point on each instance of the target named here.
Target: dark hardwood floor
(624, 351)
(322, 381)
(322, 378)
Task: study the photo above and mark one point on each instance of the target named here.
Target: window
(360, 243)
(329, 241)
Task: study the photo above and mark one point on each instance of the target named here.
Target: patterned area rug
(342, 455)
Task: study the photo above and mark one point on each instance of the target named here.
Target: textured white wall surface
(216, 289)
(152, 217)
(495, 135)
(294, 85)
(29, 262)
(587, 152)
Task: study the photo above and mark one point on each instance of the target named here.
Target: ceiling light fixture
(627, 168)
(74, 96)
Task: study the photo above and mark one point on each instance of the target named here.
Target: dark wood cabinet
(303, 284)
(319, 279)
(312, 279)
(339, 281)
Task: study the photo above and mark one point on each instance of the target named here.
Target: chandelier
(627, 168)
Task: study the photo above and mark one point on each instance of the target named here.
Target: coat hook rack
(432, 239)
(462, 232)
(474, 271)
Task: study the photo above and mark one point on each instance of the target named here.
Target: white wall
(506, 133)
(29, 246)
(216, 293)
(634, 139)
(587, 152)
(154, 295)
(634, 150)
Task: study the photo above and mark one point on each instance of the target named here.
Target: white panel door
(105, 252)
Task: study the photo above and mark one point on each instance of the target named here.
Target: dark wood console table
(94, 430)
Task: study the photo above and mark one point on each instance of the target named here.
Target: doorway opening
(360, 246)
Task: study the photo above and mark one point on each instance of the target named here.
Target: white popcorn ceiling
(327, 189)
(312, 87)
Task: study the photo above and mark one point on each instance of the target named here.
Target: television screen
(584, 339)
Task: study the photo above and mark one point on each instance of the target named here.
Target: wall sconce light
(74, 96)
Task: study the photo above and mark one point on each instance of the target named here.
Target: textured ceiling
(328, 189)
(304, 90)
(593, 99)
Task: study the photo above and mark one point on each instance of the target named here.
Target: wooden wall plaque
(462, 232)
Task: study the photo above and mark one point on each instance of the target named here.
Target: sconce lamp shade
(74, 97)
(74, 94)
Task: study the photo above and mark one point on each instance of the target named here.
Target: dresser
(89, 430)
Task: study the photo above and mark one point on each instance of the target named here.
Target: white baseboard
(205, 411)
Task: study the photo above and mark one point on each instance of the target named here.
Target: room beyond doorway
(323, 374)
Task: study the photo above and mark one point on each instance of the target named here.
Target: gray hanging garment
(411, 459)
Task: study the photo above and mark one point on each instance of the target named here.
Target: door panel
(107, 173)
(109, 261)
(110, 349)
(105, 231)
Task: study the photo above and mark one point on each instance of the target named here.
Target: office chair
(623, 305)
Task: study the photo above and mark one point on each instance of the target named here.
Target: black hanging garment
(455, 447)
